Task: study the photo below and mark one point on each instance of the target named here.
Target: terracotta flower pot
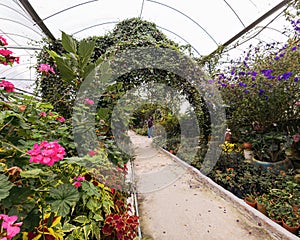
(247, 145)
(250, 201)
(261, 207)
(277, 221)
(289, 228)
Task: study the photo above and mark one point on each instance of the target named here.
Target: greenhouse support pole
(252, 25)
(36, 18)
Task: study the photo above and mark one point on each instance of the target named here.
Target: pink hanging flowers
(46, 68)
(3, 41)
(8, 223)
(46, 153)
(5, 55)
(8, 86)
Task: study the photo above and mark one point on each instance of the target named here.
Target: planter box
(281, 165)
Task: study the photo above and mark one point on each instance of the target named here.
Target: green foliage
(5, 186)
(62, 198)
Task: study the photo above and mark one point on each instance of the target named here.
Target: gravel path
(175, 205)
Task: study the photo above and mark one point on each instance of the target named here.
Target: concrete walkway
(174, 204)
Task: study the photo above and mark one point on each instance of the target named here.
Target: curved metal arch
(19, 79)
(95, 25)
(66, 9)
(14, 67)
(18, 35)
(235, 13)
(18, 12)
(176, 10)
(20, 73)
(114, 22)
(273, 29)
(180, 38)
(24, 25)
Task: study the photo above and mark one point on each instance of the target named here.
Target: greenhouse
(150, 119)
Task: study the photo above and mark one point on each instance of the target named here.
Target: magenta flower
(5, 52)
(8, 86)
(77, 184)
(46, 153)
(80, 178)
(12, 228)
(297, 103)
(3, 41)
(61, 119)
(88, 101)
(46, 68)
(42, 114)
(92, 153)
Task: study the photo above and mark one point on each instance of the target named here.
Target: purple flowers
(286, 75)
(261, 92)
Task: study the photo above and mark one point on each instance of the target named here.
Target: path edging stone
(273, 228)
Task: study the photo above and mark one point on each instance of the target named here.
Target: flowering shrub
(46, 153)
(6, 58)
(9, 228)
(230, 147)
(8, 86)
(5, 55)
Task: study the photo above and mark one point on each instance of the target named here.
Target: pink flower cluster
(3, 41)
(12, 228)
(88, 101)
(78, 179)
(8, 86)
(46, 153)
(45, 68)
(60, 119)
(6, 58)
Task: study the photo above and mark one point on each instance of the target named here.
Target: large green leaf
(85, 51)
(88, 69)
(68, 43)
(66, 71)
(34, 173)
(5, 186)
(17, 195)
(63, 198)
(90, 189)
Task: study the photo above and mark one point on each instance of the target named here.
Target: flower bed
(46, 190)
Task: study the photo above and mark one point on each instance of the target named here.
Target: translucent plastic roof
(202, 24)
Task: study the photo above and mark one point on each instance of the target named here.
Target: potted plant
(250, 200)
(291, 220)
(262, 201)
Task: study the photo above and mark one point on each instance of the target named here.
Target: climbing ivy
(74, 64)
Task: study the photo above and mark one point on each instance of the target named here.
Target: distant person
(150, 126)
